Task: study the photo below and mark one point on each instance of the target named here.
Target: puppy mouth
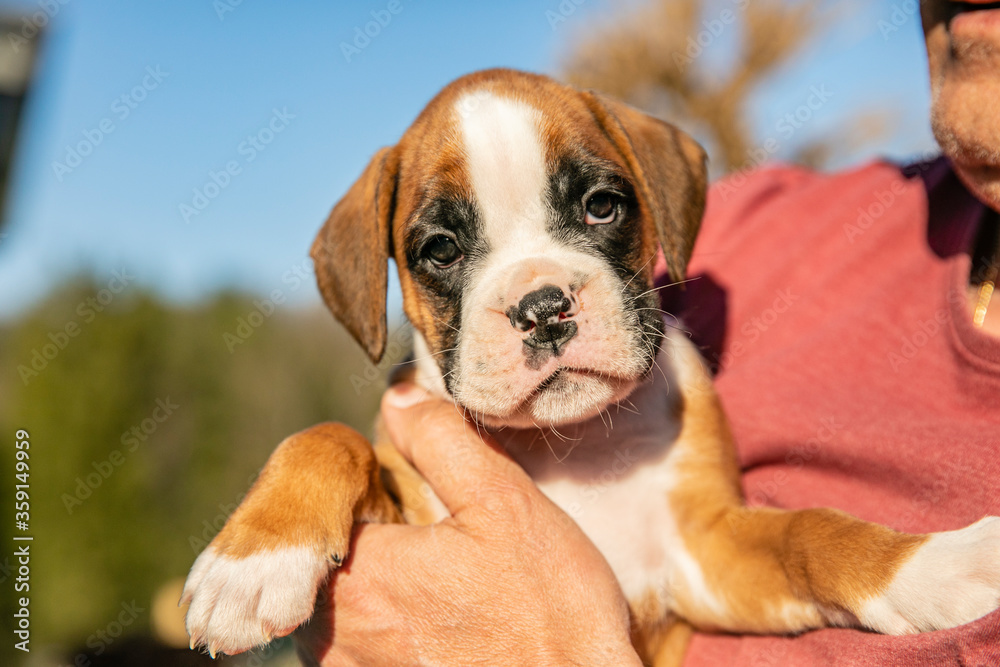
(550, 380)
(567, 395)
(565, 374)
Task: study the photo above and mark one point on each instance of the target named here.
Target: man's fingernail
(405, 395)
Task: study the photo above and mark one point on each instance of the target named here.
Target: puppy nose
(545, 314)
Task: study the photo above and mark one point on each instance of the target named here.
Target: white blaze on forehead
(505, 159)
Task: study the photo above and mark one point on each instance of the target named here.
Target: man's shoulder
(783, 201)
(787, 185)
(771, 178)
(786, 225)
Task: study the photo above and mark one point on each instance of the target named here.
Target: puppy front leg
(773, 571)
(258, 578)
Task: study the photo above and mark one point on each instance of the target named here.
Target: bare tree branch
(653, 55)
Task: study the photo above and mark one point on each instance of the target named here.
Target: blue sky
(277, 72)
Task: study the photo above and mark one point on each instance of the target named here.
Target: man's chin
(983, 181)
(974, 156)
(967, 128)
(964, 58)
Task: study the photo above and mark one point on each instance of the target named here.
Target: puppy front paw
(951, 579)
(258, 578)
(239, 603)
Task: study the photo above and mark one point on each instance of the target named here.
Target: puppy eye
(442, 251)
(602, 208)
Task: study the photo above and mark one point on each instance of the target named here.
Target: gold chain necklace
(985, 294)
(988, 284)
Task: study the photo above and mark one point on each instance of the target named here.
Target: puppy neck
(646, 419)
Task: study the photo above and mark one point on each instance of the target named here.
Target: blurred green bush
(147, 426)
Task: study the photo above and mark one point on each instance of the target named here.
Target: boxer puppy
(525, 218)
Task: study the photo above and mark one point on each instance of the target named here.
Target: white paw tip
(953, 578)
(240, 603)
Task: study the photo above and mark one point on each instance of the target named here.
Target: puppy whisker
(638, 272)
(657, 289)
(426, 356)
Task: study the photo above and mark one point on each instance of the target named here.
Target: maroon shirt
(834, 307)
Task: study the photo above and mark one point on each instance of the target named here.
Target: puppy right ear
(671, 171)
(351, 253)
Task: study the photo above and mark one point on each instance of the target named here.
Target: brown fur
(672, 190)
(759, 559)
(366, 227)
(670, 645)
(351, 253)
(315, 486)
(775, 571)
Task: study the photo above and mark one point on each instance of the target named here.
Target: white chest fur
(621, 504)
(613, 475)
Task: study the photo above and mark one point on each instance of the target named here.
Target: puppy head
(524, 217)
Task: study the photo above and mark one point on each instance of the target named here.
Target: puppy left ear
(670, 168)
(351, 253)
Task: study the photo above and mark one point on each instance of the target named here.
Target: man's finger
(464, 466)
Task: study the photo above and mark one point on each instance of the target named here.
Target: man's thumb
(462, 464)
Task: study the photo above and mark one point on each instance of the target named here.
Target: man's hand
(507, 579)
